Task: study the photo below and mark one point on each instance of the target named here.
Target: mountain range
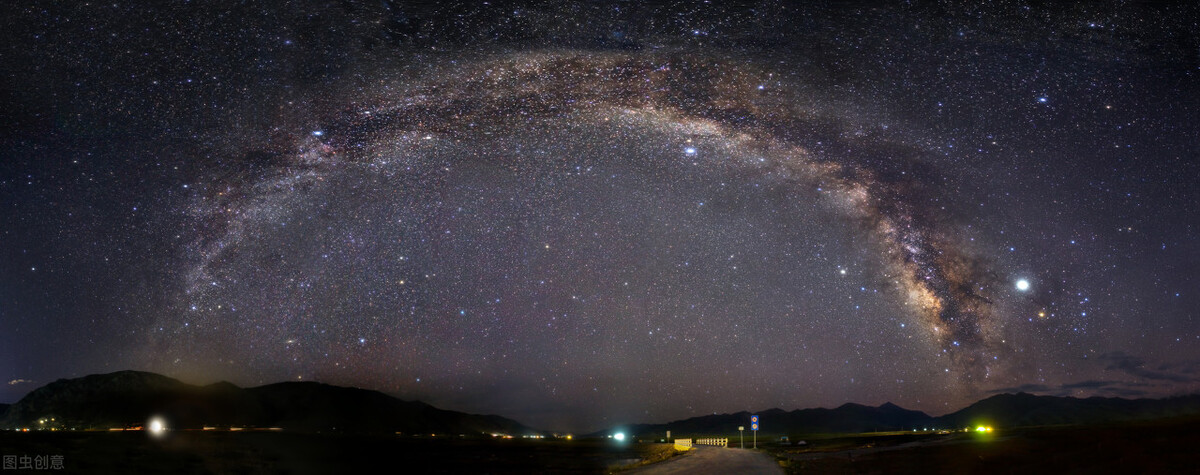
(130, 398)
(1002, 410)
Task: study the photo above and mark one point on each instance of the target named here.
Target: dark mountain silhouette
(1023, 409)
(846, 418)
(1004, 410)
(130, 398)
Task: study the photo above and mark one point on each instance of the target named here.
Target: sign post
(754, 428)
(742, 435)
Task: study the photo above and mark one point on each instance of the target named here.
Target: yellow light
(568, 436)
(981, 429)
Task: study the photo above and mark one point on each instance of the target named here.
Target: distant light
(619, 436)
(690, 151)
(1022, 285)
(156, 427)
(318, 133)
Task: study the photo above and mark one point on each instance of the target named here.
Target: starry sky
(584, 214)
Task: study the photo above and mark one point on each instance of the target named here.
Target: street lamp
(742, 435)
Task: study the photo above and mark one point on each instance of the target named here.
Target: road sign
(754, 427)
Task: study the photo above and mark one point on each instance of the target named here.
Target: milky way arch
(879, 184)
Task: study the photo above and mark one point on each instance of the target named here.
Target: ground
(1150, 447)
(715, 460)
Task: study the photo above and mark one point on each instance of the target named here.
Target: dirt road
(715, 460)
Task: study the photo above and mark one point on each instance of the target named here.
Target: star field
(583, 215)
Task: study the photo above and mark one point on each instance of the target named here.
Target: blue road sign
(754, 422)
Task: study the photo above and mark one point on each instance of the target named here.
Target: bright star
(1022, 285)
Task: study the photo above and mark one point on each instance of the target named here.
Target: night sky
(584, 215)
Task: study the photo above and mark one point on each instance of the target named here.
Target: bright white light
(1022, 285)
(156, 427)
(690, 151)
(619, 436)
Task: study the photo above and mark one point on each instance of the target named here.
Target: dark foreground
(264, 452)
(1154, 447)
(1165, 446)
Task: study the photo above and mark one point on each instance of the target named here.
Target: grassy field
(1153, 447)
(255, 453)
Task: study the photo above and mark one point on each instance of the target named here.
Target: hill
(130, 398)
(845, 418)
(1003, 410)
(1023, 409)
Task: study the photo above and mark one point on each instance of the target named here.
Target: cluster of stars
(520, 210)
